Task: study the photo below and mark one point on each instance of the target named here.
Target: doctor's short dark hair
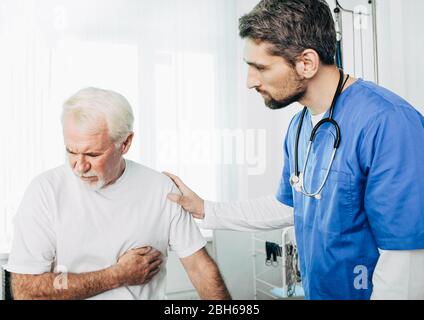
(292, 26)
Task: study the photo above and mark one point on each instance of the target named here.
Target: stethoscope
(297, 179)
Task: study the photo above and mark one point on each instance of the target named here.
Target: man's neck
(122, 167)
(321, 89)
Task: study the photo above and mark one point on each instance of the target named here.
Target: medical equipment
(273, 251)
(355, 55)
(339, 33)
(293, 277)
(297, 179)
(276, 267)
(290, 269)
(291, 263)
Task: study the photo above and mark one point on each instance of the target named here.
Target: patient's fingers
(153, 255)
(155, 264)
(141, 251)
(152, 274)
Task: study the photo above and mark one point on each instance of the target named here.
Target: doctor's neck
(321, 89)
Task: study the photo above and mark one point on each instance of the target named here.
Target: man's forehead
(83, 139)
(259, 52)
(85, 146)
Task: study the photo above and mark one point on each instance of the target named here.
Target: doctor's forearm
(262, 214)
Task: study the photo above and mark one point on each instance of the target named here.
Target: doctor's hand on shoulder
(189, 200)
(137, 266)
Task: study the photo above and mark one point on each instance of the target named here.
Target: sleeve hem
(401, 244)
(285, 201)
(27, 270)
(193, 249)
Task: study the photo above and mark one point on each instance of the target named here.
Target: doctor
(358, 194)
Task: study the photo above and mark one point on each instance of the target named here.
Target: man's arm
(205, 276)
(399, 275)
(51, 286)
(263, 214)
(135, 267)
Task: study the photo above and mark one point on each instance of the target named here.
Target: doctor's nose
(252, 79)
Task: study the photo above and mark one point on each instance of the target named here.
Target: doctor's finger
(180, 184)
(175, 198)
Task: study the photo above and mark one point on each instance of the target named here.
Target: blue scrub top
(374, 196)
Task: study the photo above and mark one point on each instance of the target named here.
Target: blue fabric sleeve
(392, 155)
(285, 192)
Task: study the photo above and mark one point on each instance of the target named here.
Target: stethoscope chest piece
(294, 180)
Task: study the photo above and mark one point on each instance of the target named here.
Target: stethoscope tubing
(298, 179)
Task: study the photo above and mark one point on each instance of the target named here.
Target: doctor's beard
(293, 91)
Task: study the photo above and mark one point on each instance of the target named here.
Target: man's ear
(307, 64)
(127, 144)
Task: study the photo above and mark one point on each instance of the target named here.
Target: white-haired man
(100, 227)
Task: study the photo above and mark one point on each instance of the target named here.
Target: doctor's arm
(392, 155)
(263, 214)
(399, 275)
(205, 276)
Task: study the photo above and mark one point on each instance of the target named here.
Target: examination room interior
(180, 65)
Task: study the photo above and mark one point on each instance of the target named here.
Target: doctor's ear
(307, 64)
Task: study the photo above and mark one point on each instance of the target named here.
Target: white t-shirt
(62, 225)
(317, 118)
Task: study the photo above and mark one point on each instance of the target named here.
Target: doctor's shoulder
(374, 109)
(374, 100)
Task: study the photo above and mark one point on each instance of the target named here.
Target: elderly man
(100, 228)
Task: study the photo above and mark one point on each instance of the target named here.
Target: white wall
(401, 44)
(234, 249)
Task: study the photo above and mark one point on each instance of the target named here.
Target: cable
(351, 11)
(343, 9)
(292, 269)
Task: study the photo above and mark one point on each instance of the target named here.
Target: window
(169, 58)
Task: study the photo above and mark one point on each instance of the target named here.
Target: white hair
(89, 106)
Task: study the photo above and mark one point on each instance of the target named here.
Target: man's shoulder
(45, 186)
(144, 174)
(53, 177)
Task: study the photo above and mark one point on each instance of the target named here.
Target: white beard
(93, 186)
